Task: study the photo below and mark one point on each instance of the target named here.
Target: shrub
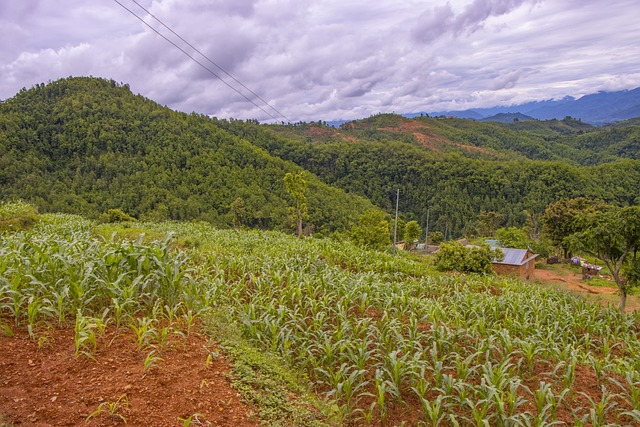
(115, 215)
(454, 256)
(18, 215)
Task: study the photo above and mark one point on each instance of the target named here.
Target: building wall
(520, 271)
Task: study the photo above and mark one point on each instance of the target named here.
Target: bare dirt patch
(46, 385)
(572, 281)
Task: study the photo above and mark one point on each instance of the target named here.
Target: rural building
(517, 262)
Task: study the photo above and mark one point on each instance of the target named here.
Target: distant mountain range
(597, 109)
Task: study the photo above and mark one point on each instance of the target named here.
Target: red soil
(46, 385)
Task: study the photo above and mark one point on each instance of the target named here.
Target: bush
(454, 256)
(18, 215)
(115, 215)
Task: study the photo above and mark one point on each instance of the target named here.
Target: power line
(209, 59)
(203, 65)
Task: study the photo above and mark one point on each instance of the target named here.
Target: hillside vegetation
(460, 168)
(85, 145)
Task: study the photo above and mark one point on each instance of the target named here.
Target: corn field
(382, 338)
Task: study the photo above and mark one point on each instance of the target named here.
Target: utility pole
(426, 235)
(395, 226)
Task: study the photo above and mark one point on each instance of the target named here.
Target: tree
(612, 235)
(239, 211)
(297, 189)
(488, 222)
(412, 232)
(372, 231)
(513, 237)
(561, 219)
(116, 215)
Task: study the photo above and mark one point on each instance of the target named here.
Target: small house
(517, 262)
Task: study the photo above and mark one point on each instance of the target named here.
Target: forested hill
(568, 140)
(458, 168)
(86, 145)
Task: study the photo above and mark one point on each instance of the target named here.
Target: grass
(264, 380)
(17, 216)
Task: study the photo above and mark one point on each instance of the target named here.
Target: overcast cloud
(328, 59)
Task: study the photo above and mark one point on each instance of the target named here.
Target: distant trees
(115, 215)
(239, 211)
(85, 145)
(512, 237)
(435, 238)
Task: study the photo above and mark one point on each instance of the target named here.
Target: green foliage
(372, 231)
(562, 219)
(412, 232)
(85, 145)
(454, 256)
(513, 237)
(15, 216)
(612, 235)
(460, 169)
(239, 212)
(115, 215)
(436, 238)
(297, 189)
(366, 331)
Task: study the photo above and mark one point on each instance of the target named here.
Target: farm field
(155, 312)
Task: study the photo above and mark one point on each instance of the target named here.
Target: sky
(326, 59)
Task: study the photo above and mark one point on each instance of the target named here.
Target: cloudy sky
(327, 59)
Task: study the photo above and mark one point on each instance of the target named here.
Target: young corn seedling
(151, 361)
(631, 390)
(85, 335)
(112, 409)
(144, 331)
(381, 393)
(433, 411)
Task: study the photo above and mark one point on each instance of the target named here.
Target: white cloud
(330, 59)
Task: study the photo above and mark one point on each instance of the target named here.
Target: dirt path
(42, 383)
(572, 281)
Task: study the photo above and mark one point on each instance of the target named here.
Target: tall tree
(613, 236)
(561, 219)
(297, 189)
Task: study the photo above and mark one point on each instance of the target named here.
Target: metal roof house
(517, 262)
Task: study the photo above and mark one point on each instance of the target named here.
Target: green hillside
(454, 184)
(85, 145)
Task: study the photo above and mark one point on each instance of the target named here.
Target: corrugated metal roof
(513, 256)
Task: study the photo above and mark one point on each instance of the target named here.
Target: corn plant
(145, 332)
(112, 409)
(85, 335)
(151, 361)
